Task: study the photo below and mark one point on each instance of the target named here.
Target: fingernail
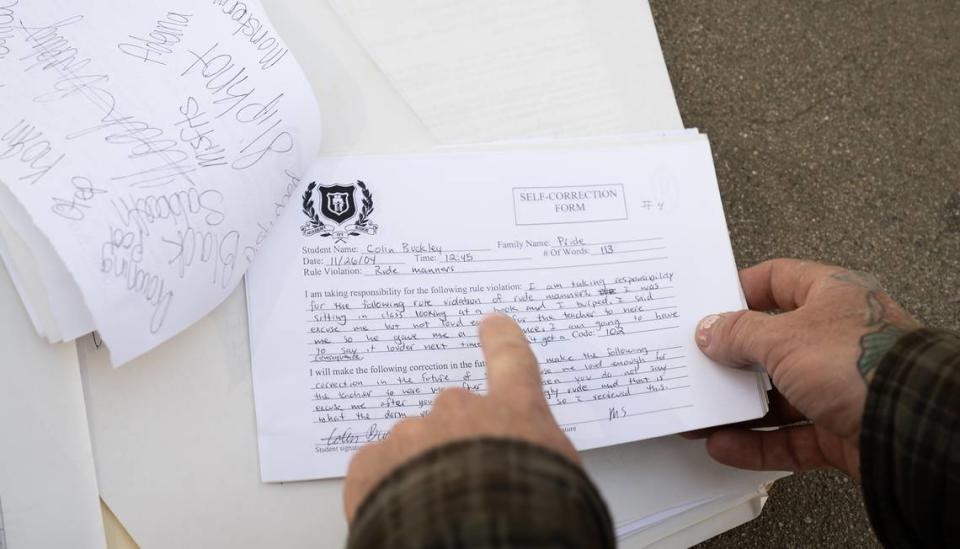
(703, 329)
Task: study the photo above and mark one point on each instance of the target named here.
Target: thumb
(742, 338)
(512, 370)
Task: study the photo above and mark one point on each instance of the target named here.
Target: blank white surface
(47, 484)
(177, 450)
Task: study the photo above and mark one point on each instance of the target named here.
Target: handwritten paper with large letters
(145, 151)
(363, 305)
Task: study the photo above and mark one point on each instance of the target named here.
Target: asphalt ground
(835, 129)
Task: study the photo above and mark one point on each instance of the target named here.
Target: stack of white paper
(144, 154)
(147, 152)
(606, 256)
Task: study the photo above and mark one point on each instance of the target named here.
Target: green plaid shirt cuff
(492, 493)
(910, 442)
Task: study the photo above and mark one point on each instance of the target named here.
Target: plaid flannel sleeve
(910, 442)
(492, 493)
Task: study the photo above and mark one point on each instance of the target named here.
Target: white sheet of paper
(662, 485)
(481, 71)
(154, 146)
(183, 417)
(365, 304)
(697, 524)
(48, 487)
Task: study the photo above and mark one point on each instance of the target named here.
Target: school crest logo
(332, 211)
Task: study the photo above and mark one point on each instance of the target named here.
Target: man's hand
(820, 354)
(514, 407)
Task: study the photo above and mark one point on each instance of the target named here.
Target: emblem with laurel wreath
(315, 224)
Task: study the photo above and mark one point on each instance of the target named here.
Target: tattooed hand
(820, 353)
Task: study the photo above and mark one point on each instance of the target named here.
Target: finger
(787, 449)
(406, 431)
(741, 338)
(511, 367)
(452, 409)
(781, 413)
(781, 283)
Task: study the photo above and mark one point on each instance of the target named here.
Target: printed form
(363, 305)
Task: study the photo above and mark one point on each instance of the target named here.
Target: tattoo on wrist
(875, 343)
(873, 347)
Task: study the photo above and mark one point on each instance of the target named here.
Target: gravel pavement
(835, 129)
